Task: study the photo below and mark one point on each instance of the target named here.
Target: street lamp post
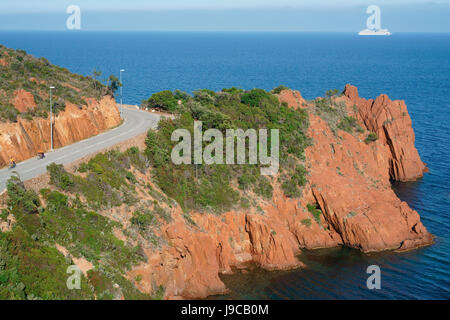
(51, 119)
(121, 92)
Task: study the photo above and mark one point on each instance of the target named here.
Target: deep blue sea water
(412, 67)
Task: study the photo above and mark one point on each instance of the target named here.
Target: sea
(414, 67)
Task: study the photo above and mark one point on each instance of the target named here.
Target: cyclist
(12, 163)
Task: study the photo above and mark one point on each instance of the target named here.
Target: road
(135, 123)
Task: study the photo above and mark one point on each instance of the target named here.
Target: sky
(226, 15)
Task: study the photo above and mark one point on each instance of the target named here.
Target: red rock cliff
(390, 120)
(349, 181)
(23, 139)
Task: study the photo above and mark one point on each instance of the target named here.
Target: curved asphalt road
(135, 123)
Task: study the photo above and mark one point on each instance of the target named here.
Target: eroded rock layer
(23, 139)
(390, 120)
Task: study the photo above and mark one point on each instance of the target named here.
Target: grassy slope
(36, 75)
(30, 265)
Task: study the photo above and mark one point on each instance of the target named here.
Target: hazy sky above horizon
(226, 15)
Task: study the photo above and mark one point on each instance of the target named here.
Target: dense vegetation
(19, 70)
(217, 187)
(30, 265)
(108, 181)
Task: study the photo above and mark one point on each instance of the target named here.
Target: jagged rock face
(351, 186)
(22, 140)
(293, 98)
(391, 122)
(349, 181)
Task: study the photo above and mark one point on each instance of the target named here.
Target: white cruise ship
(379, 32)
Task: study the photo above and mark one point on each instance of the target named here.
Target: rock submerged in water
(349, 183)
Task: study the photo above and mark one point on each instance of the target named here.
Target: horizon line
(207, 31)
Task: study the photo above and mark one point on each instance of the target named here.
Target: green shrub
(133, 151)
(83, 168)
(233, 90)
(372, 136)
(246, 180)
(108, 181)
(312, 208)
(290, 188)
(291, 185)
(210, 118)
(278, 89)
(348, 124)
(4, 214)
(306, 222)
(143, 219)
(263, 188)
(332, 92)
(59, 176)
(8, 112)
(300, 175)
(254, 97)
(130, 177)
(20, 200)
(164, 100)
(205, 96)
(56, 200)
